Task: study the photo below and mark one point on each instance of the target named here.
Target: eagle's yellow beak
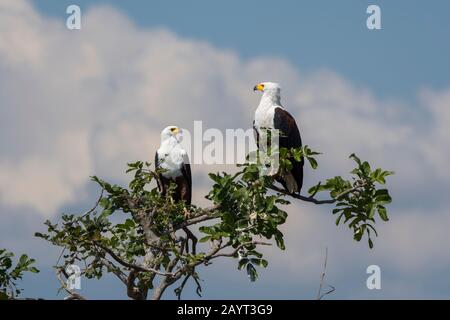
(259, 87)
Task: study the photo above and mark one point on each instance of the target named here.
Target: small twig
(60, 256)
(199, 287)
(316, 190)
(320, 295)
(95, 206)
(179, 290)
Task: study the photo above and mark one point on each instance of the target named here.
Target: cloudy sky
(78, 103)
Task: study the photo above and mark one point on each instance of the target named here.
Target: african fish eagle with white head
(173, 159)
(174, 162)
(270, 114)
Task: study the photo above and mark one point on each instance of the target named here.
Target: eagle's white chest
(171, 160)
(264, 116)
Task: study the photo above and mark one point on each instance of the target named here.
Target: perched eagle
(173, 159)
(271, 115)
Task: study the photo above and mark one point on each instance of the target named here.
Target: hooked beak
(177, 133)
(259, 87)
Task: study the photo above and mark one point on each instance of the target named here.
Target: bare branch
(130, 265)
(203, 215)
(320, 295)
(95, 206)
(179, 289)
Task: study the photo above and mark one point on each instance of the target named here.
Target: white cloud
(45, 181)
(434, 144)
(76, 103)
(415, 241)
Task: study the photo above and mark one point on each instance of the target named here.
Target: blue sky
(410, 52)
(78, 103)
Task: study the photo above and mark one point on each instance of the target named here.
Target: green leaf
(106, 213)
(264, 263)
(23, 259)
(315, 188)
(206, 229)
(297, 153)
(358, 235)
(205, 239)
(34, 270)
(242, 263)
(382, 196)
(41, 235)
(383, 213)
(354, 157)
(366, 168)
(339, 218)
(251, 272)
(279, 240)
(7, 262)
(104, 202)
(312, 162)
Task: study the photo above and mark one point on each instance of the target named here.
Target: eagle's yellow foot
(186, 213)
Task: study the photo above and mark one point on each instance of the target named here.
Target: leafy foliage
(136, 234)
(10, 273)
(358, 199)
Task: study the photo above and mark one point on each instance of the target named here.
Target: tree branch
(203, 215)
(236, 250)
(214, 253)
(133, 291)
(130, 265)
(114, 269)
(311, 198)
(95, 206)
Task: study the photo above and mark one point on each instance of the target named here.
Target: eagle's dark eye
(173, 129)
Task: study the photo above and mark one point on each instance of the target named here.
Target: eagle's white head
(270, 90)
(172, 134)
(170, 154)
